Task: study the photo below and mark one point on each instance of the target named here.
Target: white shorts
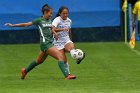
(60, 44)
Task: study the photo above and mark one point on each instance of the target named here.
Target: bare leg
(65, 59)
(55, 53)
(41, 57)
(64, 56)
(69, 46)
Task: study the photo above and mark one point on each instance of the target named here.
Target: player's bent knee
(68, 50)
(60, 57)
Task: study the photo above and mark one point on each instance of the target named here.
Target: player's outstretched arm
(19, 25)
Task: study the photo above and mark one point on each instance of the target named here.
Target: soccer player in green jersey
(45, 27)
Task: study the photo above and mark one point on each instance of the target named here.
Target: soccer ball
(77, 54)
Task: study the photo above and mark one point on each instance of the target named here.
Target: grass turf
(107, 68)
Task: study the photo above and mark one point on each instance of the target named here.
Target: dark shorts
(45, 46)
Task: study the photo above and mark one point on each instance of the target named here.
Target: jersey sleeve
(70, 23)
(55, 22)
(35, 22)
(135, 9)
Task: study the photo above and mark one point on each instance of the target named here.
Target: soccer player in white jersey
(64, 43)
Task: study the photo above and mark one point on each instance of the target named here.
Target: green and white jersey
(44, 27)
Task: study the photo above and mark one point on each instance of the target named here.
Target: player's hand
(56, 36)
(65, 29)
(9, 24)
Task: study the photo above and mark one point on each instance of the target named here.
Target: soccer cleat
(70, 77)
(78, 61)
(23, 73)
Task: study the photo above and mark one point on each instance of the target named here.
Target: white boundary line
(134, 50)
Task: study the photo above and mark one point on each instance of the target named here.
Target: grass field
(107, 68)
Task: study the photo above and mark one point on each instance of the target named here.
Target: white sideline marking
(134, 50)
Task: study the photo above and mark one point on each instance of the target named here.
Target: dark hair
(60, 10)
(45, 5)
(46, 8)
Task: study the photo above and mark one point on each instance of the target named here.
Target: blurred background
(92, 20)
(100, 28)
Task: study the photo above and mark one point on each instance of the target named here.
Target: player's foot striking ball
(79, 60)
(78, 54)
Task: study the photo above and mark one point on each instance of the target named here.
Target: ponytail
(58, 14)
(46, 8)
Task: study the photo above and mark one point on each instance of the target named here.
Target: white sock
(67, 67)
(71, 52)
